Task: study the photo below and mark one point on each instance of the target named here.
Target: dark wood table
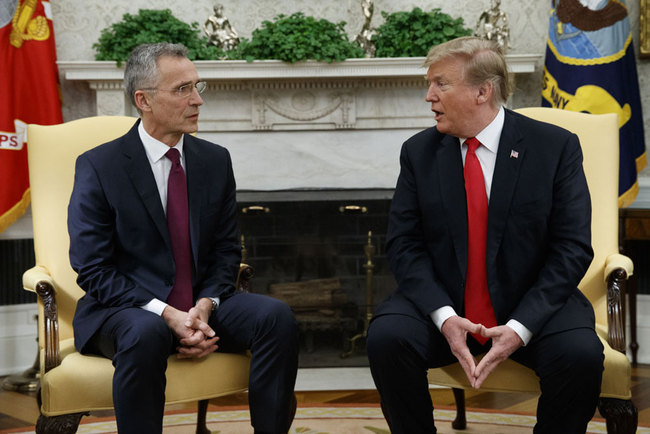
(634, 225)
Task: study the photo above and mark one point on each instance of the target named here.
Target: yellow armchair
(72, 384)
(603, 283)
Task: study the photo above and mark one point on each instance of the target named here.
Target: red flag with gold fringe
(29, 93)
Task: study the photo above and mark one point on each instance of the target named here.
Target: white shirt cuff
(156, 306)
(525, 334)
(439, 316)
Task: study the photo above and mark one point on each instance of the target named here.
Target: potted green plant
(298, 37)
(292, 38)
(151, 26)
(412, 34)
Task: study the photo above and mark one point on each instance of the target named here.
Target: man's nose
(195, 98)
(431, 96)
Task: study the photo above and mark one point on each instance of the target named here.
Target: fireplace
(314, 250)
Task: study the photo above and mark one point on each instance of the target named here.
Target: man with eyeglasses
(153, 238)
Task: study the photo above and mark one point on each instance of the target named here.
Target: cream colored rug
(331, 419)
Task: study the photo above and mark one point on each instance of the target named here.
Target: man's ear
(484, 94)
(142, 100)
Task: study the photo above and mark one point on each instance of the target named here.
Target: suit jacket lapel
(196, 172)
(139, 170)
(452, 182)
(510, 157)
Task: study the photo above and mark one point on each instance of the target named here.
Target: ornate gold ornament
(493, 25)
(364, 38)
(220, 32)
(26, 27)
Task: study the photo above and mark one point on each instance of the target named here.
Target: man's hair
(141, 70)
(484, 62)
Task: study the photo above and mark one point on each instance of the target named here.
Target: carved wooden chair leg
(622, 416)
(63, 424)
(201, 425)
(460, 422)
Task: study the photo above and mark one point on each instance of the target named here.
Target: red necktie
(478, 306)
(178, 223)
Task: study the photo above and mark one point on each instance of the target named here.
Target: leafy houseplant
(151, 26)
(412, 34)
(298, 37)
(291, 38)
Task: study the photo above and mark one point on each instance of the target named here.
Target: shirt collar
(490, 135)
(154, 148)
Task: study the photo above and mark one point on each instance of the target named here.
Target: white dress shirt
(487, 157)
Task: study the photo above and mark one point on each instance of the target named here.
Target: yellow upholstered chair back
(53, 151)
(599, 140)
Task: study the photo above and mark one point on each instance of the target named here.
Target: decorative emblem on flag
(27, 27)
(514, 154)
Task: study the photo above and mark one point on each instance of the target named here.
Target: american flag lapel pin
(514, 154)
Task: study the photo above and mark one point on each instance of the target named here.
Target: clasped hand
(196, 337)
(505, 341)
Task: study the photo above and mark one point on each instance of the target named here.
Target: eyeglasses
(185, 90)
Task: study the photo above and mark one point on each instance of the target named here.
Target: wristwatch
(215, 303)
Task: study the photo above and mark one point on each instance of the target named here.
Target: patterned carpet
(330, 419)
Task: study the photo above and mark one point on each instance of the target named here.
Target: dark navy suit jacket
(119, 241)
(538, 241)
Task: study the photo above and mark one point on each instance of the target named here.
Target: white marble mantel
(308, 125)
(275, 69)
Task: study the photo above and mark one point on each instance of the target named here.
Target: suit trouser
(139, 343)
(401, 348)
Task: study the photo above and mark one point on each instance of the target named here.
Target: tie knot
(472, 144)
(173, 155)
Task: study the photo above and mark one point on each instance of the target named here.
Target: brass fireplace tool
(369, 249)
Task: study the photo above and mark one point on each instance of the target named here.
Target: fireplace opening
(322, 253)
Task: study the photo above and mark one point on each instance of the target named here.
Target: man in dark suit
(153, 238)
(522, 257)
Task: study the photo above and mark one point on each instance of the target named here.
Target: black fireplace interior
(314, 254)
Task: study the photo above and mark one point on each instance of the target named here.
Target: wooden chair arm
(615, 261)
(38, 280)
(34, 275)
(618, 268)
(615, 321)
(246, 273)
